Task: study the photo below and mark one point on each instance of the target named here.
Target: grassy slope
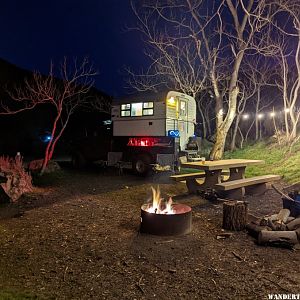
(277, 159)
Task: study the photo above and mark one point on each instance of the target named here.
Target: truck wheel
(141, 165)
(78, 161)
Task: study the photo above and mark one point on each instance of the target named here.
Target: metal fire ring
(167, 224)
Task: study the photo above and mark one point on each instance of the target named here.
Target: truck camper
(149, 129)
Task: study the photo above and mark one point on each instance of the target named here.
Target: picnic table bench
(234, 187)
(191, 179)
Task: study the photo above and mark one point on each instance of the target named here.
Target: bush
(17, 180)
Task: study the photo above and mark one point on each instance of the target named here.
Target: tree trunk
(223, 128)
(256, 114)
(204, 135)
(235, 130)
(235, 215)
(219, 145)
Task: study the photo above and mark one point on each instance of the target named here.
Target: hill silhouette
(24, 132)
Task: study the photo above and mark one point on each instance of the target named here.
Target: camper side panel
(140, 126)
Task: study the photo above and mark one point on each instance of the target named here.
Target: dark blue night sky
(34, 32)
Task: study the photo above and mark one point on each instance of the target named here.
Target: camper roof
(142, 96)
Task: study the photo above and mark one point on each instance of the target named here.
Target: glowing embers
(165, 217)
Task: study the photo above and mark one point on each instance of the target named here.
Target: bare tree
(64, 94)
(258, 74)
(247, 91)
(288, 45)
(194, 45)
(206, 110)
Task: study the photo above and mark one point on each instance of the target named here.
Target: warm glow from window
(148, 105)
(148, 112)
(272, 114)
(245, 116)
(171, 101)
(182, 108)
(136, 109)
(125, 113)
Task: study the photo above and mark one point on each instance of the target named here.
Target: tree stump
(235, 215)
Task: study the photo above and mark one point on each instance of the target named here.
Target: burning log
(294, 224)
(235, 215)
(278, 238)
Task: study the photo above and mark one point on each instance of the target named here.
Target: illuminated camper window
(137, 109)
(182, 108)
(125, 110)
(147, 108)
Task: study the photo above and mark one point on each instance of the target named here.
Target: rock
(15, 181)
(35, 166)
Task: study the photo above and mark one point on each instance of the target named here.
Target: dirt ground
(77, 237)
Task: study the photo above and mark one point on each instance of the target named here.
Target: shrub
(18, 181)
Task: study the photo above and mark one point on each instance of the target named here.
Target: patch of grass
(277, 159)
(14, 295)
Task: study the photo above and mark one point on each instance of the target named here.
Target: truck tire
(78, 161)
(141, 165)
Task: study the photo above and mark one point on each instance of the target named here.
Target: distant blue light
(47, 138)
(174, 133)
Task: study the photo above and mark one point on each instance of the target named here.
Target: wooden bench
(190, 179)
(236, 189)
(183, 177)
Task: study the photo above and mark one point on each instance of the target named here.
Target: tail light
(142, 142)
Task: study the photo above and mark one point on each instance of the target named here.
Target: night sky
(34, 32)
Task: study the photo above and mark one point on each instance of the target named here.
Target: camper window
(147, 108)
(125, 113)
(148, 105)
(148, 112)
(182, 108)
(125, 110)
(137, 109)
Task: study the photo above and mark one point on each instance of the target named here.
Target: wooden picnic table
(213, 171)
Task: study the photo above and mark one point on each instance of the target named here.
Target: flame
(158, 205)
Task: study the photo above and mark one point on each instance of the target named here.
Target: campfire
(162, 217)
(158, 205)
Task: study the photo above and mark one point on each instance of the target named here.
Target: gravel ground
(76, 236)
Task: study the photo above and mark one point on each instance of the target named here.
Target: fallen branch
(282, 194)
(139, 285)
(237, 256)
